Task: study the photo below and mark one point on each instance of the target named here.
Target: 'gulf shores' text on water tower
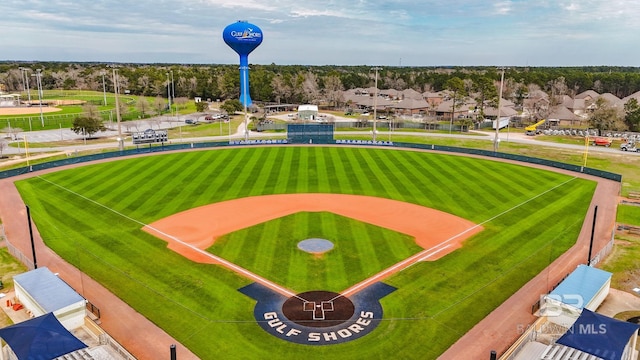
(243, 38)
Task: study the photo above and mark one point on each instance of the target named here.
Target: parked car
(601, 141)
(629, 146)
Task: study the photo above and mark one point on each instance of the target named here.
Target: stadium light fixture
(38, 76)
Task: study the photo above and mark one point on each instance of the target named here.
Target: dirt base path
(190, 232)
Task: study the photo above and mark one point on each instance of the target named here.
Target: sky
(327, 32)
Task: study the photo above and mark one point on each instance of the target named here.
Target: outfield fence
(200, 145)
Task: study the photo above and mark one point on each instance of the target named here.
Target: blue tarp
(599, 335)
(40, 338)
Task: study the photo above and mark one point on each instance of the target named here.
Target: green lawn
(628, 214)
(92, 217)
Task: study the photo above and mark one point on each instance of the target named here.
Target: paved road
(50, 136)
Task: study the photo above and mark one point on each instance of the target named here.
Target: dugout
(310, 133)
(41, 292)
(585, 288)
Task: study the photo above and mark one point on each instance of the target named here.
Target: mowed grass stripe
(301, 172)
(208, 179)
(438, 183)
(415, 185)
(343, 182)
(132, 186)
(157, 185)
(359, 176)
(247, 173)
(378, 178)
(263, 183)
(231, 176)
(491, 192)
(334, 260)
(448, 178)
(191, 180)
(279, 179)
(260, 160)
(322, 168)
(391, 178)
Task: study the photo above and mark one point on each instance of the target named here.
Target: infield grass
(270, 249)
(92, 216)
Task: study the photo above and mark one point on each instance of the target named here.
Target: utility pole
(104, 87)
(116, 91)
(375, 102)
(169, 90)
(496, 140)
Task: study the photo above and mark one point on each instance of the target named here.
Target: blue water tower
(243, 38)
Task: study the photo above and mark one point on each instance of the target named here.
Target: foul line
(226, 263)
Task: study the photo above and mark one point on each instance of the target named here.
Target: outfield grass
(91, 217)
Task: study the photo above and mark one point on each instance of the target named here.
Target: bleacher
(561, 352)
(94, 353)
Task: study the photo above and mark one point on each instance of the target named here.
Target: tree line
(312, 84)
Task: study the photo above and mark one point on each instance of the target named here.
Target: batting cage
(310, 133)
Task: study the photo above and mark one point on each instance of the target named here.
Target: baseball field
(94, 217)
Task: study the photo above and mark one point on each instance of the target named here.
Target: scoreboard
(150, 136)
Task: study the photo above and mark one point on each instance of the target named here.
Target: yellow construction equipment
(532, 129)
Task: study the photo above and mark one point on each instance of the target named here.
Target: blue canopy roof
(40, 338)
(599, 335)
(585, 281)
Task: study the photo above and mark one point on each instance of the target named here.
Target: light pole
(173, 88)
(375, 101)
(38, 76)
(244, 102)
(496, 140)
(169, 90)
(24, 84)
(25, 80)
(116, 90)
(104, 87)
(173, 93)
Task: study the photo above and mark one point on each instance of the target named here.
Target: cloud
(503, 7)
